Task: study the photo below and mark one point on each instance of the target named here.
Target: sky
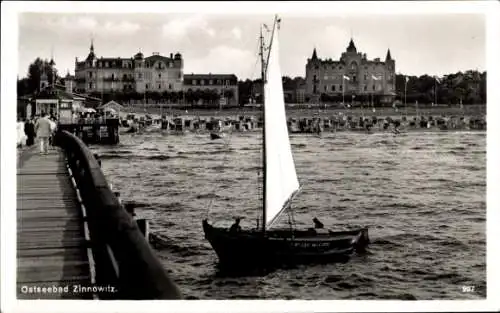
(435, 44)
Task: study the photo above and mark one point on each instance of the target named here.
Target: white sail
(281, 177)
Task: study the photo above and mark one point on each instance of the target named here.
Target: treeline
(251, 90)
(467, 87)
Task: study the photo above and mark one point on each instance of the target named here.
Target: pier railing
(122, 256)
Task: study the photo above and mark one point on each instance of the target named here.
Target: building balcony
(110, 79)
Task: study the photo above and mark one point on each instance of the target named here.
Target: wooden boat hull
(214, 136)
(252, 248)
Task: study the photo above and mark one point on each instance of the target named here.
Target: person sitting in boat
(236, 226)
(317, 223)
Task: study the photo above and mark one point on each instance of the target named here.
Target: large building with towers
(155, 73)
(353, 77)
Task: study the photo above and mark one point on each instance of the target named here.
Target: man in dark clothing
(236, 226)
(317, 223)
(29, 130)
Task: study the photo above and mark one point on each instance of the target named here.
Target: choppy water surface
(421, 194)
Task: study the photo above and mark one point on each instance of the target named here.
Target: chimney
(171, 55)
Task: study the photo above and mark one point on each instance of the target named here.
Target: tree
(244, 91)
(35, 71)
(23, 87)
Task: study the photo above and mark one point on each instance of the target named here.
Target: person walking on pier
(21, 137)
(43, 132)
(53, 127)
(29, 130)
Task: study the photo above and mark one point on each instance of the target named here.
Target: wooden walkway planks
(51, 247)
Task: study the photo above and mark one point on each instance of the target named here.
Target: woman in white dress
(21, 136)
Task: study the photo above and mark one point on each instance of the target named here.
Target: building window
(90, 74)
(341, 87)
(171, 64)
(159, 75)
(316, 67)
(194, 81)
(159, 86)
(325, 87)
(365, 87)
(106, 64)
(90, 85)
(227, 82)
(354, 78)
(333, 87)
(202, 82)
(365, 76)
(147, 86)
(211, 82)
(326, 77)
(169, 86)
(373, 87)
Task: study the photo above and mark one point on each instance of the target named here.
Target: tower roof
(139, 56)
(315, 55)
(388, 56)
(351, 47)
(91, 55)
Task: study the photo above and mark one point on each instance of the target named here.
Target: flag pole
(343, 87)
(371, 93)
(435, 91)
(406, 112)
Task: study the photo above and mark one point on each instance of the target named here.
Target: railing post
(143, 227)
(96, 156)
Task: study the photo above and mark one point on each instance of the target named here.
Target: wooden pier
(75, 240)
(52, 254)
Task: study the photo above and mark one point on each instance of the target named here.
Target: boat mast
(263, 77)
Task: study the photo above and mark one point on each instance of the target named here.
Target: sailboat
(265, 246)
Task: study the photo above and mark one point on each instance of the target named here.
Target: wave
(159, 157)
(186, 153)
(401, 206)
(209, 196)
(163, 242)
(386, 242)
(474, 168)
